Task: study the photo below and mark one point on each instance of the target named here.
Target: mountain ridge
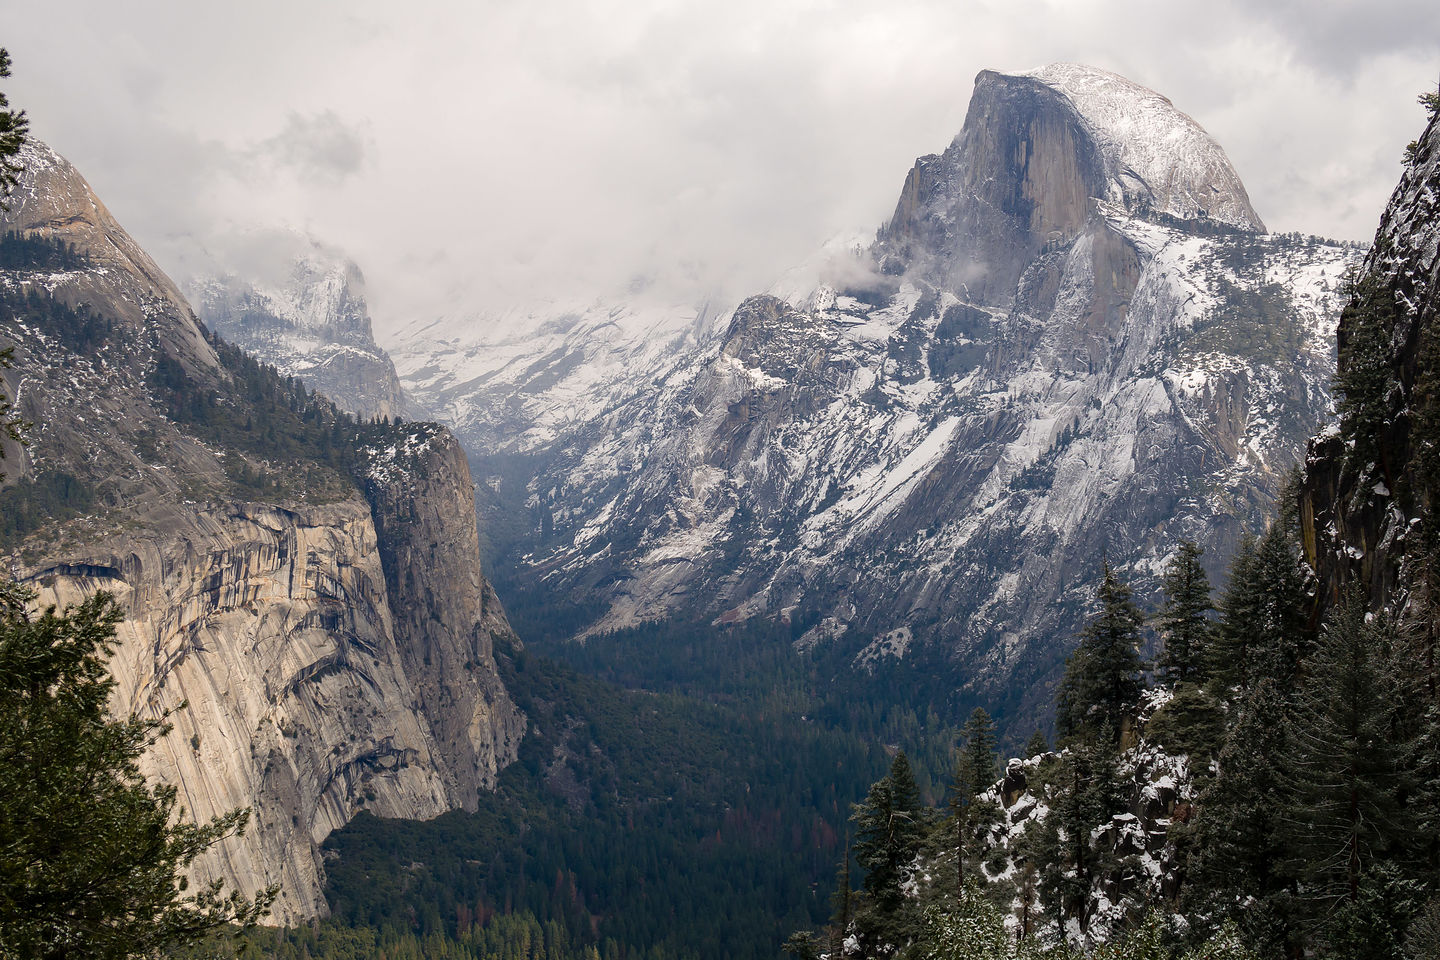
(294, 626)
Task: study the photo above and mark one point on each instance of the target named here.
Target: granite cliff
(302, 592)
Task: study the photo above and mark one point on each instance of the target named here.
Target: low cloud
(318, 148)
(476, 157)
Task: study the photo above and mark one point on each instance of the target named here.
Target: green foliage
(1372, 924)
(1191, 723)
(506, 936)
(1089, 795)
(79, 329)
(34, 251)
(92, 858)
(1345, 776)
(977, 770)
(1152, 939)
(972, 929)
(1365, 378)
(32, 502)
(630, 816)
(1102, 682)
(1183, 621)
(889, 827)
(1256, 322)
(1264, 631)
(1239, 851)
(1430, 100)
(14, 127)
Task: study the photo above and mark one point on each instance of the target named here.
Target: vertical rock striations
(321, 648)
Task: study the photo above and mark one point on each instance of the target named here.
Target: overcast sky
(472, 156)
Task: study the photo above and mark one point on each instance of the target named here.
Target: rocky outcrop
(314, 326)
(446, 614)
(1037, 153)
(312, 618)
(1368, 506)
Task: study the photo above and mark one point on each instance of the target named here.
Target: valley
(1048, 574)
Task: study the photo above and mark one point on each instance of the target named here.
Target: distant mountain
(519, 381)
(1072, 342)
(314, 326)
(302, 592)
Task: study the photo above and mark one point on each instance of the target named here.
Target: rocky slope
(1072, 341)
(314, 326)
(302, 593)
(1369, 504)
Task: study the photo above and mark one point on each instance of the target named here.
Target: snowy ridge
(1156, 153)
(314, 324)
(520, 380)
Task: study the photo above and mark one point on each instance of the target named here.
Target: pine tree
(1264, 630)
(1102, 682)
(1238, 871)
(1345, 776)
(977, 761)
(1089, 794)
(13, 129)
(1037, 744)
(1365, 371)
(92, 858)
(975, 772)
(1183, 620)
(889, 827)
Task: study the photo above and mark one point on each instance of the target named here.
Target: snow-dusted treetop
(1154, 152)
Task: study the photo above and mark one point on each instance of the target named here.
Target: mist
(473, 158)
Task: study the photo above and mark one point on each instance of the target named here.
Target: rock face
(315, 326)
(1072, 342)
(1036, 152)
(1369, 502)
(328, 628)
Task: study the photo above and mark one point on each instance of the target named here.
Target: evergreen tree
(92, 858)
(1089, 793)
(1264, 630)
(977, 768)
(1345, 776)
(1365, 374)
(1102, 682)
(13, 129)
(1183, 620)
(1237, 871)
(975, 772)
(1037, 744)
(889, 827)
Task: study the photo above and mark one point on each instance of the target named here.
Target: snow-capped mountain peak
(1156, 154)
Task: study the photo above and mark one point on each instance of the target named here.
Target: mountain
(1072, 342)
(315, 325)
(518, 381)
(302, 592)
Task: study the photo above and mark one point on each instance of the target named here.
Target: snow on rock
(1157, 155)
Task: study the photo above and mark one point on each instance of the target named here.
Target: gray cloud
(318, 148)
(475, 156)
